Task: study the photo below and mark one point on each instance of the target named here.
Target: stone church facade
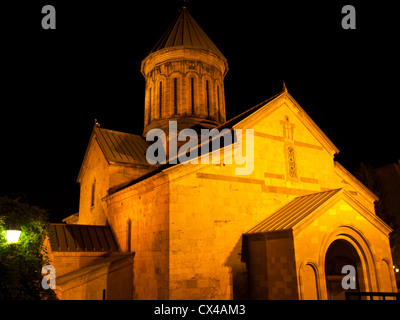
(200, 231)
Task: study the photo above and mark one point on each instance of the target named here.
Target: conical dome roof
(185, 32)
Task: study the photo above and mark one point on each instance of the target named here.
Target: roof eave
(355, 180)
(324, 138)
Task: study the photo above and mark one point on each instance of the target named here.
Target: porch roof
(293, 212)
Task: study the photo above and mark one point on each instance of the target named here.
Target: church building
(200, 230)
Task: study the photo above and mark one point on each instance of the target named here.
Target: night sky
(56, 82)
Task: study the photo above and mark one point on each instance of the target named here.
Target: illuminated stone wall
(95, 170)
(345, 219)
(187, 222)
(272, 268)
(139, 218)
(97, 179)
(185, 225)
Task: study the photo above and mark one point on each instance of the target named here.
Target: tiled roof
(185, 31)
(122, 147)
(293, 212)
(81, 238)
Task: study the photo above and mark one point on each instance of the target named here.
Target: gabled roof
(293, 212)
(186, 32)
(81, 238)
(119, 147)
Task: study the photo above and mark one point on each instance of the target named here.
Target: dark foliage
(21, 263)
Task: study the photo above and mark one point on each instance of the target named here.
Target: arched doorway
(339, 254)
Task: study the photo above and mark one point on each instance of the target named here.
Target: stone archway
(364, 250)
(339, 254)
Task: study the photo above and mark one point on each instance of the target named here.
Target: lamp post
(13, 233)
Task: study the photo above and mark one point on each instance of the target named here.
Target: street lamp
(13, 233)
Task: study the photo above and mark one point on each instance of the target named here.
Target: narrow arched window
(160, 101)
(149, 111)
(192, 93)
(208, 97)
(129, 235)
(218, 97)
(92, 194)
(175, 95)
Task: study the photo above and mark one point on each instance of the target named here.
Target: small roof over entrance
(293, 212)
(301, 210)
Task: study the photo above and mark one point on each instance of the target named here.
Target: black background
(56, 82)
